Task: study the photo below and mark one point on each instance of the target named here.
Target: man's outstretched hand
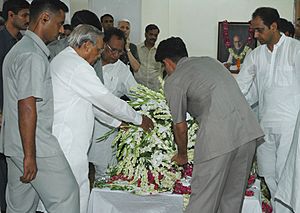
(147, 124)
(180, 159)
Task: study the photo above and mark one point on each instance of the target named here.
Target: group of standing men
(229, 132)
(45, 147)
(46, 140)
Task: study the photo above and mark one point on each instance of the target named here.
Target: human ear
(10, 14)
(274, 26)
(45, 17)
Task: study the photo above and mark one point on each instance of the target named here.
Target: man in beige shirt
(150, 71)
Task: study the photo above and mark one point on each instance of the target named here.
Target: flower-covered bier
(144, 159)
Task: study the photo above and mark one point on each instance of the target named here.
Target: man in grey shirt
(228, 133)
(16, 14)
(37, 168)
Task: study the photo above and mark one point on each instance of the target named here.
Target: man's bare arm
(27, 127)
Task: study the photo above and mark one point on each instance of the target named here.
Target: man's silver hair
(83, 33)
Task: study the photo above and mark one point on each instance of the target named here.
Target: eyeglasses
(115, 51)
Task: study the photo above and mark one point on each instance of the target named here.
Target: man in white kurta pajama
(288, 185)
(273, 69)
(78, 94)
(118, 80)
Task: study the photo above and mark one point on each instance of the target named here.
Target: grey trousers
(54, 184)
(3, 181)
(218, 185)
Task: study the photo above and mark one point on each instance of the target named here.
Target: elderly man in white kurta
(78, 96)
(118, 80)
(274, 70)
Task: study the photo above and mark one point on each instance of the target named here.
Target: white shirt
(76, 89)
(118, 79)
(273, 79)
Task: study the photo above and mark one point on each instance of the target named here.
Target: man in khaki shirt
(150, 71)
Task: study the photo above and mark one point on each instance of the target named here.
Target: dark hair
(101, 18)
(68, 27)
(151, 27)
(85, 17)
(113, 32)
(39, 6)
(291, 29)
(286, 26)
(172, 48)
(267, 14)
(15, 6)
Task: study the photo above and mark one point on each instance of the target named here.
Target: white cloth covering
(273, 80)
(105, 200)
(118, 80)
(77, 90)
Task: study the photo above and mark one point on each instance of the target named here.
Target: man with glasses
(273, 71)
(118, 80)
(79, 96)
(16, 14)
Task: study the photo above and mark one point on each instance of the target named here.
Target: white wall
(196, 22)
(120, 9)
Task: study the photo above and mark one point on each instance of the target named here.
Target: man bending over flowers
(228, 133)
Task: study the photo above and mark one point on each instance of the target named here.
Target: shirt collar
(38, 41)
(281, 40)
(144, 46)
(181, 61)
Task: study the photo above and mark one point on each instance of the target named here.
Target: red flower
(150, 177)
(180, 189)
(251, 180)
(249, 193)
(187, 170)
(266, 208)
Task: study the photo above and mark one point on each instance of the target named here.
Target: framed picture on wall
(235, 41)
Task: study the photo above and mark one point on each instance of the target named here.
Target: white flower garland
(241, 55)
(144, 159)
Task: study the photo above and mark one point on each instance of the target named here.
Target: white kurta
(118, 80)
(288, 187)
(273, 79)
(77, 90)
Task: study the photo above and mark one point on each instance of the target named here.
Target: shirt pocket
(284, 75)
